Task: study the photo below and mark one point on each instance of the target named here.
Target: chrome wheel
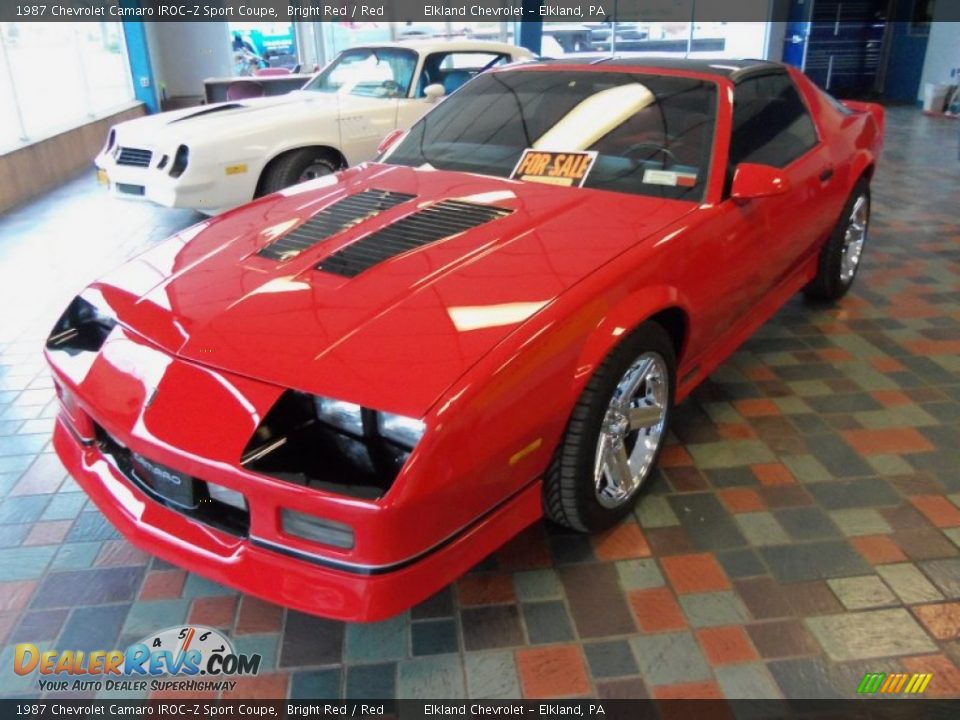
(854, 238)
(631, 430)
(314, 170)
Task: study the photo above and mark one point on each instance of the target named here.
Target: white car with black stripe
(218, 156)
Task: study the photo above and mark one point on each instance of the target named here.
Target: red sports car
(342, 396)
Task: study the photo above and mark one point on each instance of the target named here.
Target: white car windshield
(368, 72)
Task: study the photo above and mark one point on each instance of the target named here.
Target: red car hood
(397, 335)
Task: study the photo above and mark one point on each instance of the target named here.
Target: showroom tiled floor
(804, 529)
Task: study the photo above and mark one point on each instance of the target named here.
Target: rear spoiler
(874, 109)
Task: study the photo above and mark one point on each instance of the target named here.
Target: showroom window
(665, 39)
(336, 37)
(702, 37)
(55, 76)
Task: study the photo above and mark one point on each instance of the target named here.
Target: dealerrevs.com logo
(189, 657)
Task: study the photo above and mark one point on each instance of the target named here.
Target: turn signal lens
(318, 530)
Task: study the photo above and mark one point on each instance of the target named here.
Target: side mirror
(434, 92)
(757, 181)
(389, 141)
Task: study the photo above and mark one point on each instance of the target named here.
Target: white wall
(777, 30)
(183, 54)
(943, 53)
(775, 36)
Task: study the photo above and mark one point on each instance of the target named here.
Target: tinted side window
(771, 125)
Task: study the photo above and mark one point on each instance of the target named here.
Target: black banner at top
(358, 11)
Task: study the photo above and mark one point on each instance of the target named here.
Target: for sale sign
(569, 169)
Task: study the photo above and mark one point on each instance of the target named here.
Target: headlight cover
(82, 328)
(332, 445)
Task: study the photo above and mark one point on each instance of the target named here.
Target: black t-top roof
(736, 70)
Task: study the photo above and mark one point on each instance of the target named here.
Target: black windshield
(652, 134)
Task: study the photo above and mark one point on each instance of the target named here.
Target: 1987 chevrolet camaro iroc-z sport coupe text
(344, 395)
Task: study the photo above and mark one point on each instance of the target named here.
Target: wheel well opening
(867, 173)
(332, 153)
(674, 321)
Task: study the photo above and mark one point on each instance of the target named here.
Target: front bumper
(207, 189)
(286, 577)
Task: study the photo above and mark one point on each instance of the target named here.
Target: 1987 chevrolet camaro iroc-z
(344, 395)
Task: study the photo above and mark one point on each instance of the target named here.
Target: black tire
(829, 284)
(288, 169)
(569, 495)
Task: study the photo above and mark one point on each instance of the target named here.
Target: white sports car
(219, 156)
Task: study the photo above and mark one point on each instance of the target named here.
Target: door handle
(826, 174)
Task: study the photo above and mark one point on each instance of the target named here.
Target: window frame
(426, 55)
(730, 167)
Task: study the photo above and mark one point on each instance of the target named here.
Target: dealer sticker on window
(669, 177)
(569, 169)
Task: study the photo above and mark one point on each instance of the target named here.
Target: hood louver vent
(331, 220)
(436, 222)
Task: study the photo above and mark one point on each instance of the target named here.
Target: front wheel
(615, 434)
(295, 167)
(840, 257)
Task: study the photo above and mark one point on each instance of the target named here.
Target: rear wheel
(297, 166)
(840, 257)
(615, 434)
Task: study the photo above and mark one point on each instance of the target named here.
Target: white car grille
(136, 157)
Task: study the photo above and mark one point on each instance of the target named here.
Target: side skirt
(696, 372)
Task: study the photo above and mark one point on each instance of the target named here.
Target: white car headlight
(346, 416)
(402, 430)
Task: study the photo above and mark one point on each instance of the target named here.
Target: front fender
(862, 159)
(620, 320)
(520, 396)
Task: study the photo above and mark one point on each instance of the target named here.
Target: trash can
(935, 97)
